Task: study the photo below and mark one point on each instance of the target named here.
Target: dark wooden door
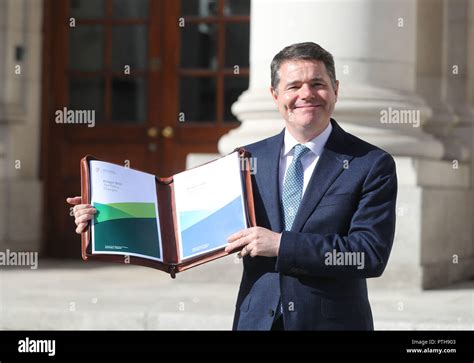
(136, 82)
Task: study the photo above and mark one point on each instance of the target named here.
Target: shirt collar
(316, 144)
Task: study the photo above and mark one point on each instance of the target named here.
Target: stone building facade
(398, 58)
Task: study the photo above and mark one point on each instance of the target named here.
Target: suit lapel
(330, 164)
(267, 179)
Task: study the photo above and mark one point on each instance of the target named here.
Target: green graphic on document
(127, 228)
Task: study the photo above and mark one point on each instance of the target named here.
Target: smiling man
(305, 95)
(319, 192)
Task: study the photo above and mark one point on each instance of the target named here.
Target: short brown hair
(302, 51)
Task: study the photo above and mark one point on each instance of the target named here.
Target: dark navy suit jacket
(348, 206)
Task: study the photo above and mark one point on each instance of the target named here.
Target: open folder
(171, 224)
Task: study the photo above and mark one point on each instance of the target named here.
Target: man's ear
(336, 89)
(274, 93)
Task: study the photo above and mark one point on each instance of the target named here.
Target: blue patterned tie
(293, 187)
(291, 196)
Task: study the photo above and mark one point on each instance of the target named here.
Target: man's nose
(306, 91)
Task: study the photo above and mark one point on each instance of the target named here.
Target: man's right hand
(82, 212)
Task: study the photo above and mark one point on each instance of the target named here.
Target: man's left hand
(258, 241)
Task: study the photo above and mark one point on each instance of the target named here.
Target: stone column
(20, 77)
(374, 45)
(470, 63)
(442, 74)
(442, 70)
(375, 74)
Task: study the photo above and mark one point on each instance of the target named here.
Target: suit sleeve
(371, 233)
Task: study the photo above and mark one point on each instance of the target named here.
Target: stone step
(52, 319)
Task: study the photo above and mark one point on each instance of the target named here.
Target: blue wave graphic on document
(190, 218)
(212, 232)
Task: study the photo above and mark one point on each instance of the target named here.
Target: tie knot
(300, 150)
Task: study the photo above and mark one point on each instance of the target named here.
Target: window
(214, 59)
(108, 50)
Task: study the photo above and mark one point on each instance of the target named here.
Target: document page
(209, 205)
(127, 220)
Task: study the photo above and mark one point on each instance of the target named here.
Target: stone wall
(20, 125)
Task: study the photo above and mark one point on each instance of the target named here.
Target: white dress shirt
(308, 160)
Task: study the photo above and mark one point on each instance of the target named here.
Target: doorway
(157, 77)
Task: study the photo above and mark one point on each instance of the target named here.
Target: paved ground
(78, 295)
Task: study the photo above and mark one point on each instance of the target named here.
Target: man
(324, 200)
(325, 208)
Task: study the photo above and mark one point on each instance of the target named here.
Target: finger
(237, 235)
(248, 250)
(81, 206)
(83, 219)
(239, 243)
(253, 252)
(85, 211)
(243, 252)
(81, 227)
(74, 200)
